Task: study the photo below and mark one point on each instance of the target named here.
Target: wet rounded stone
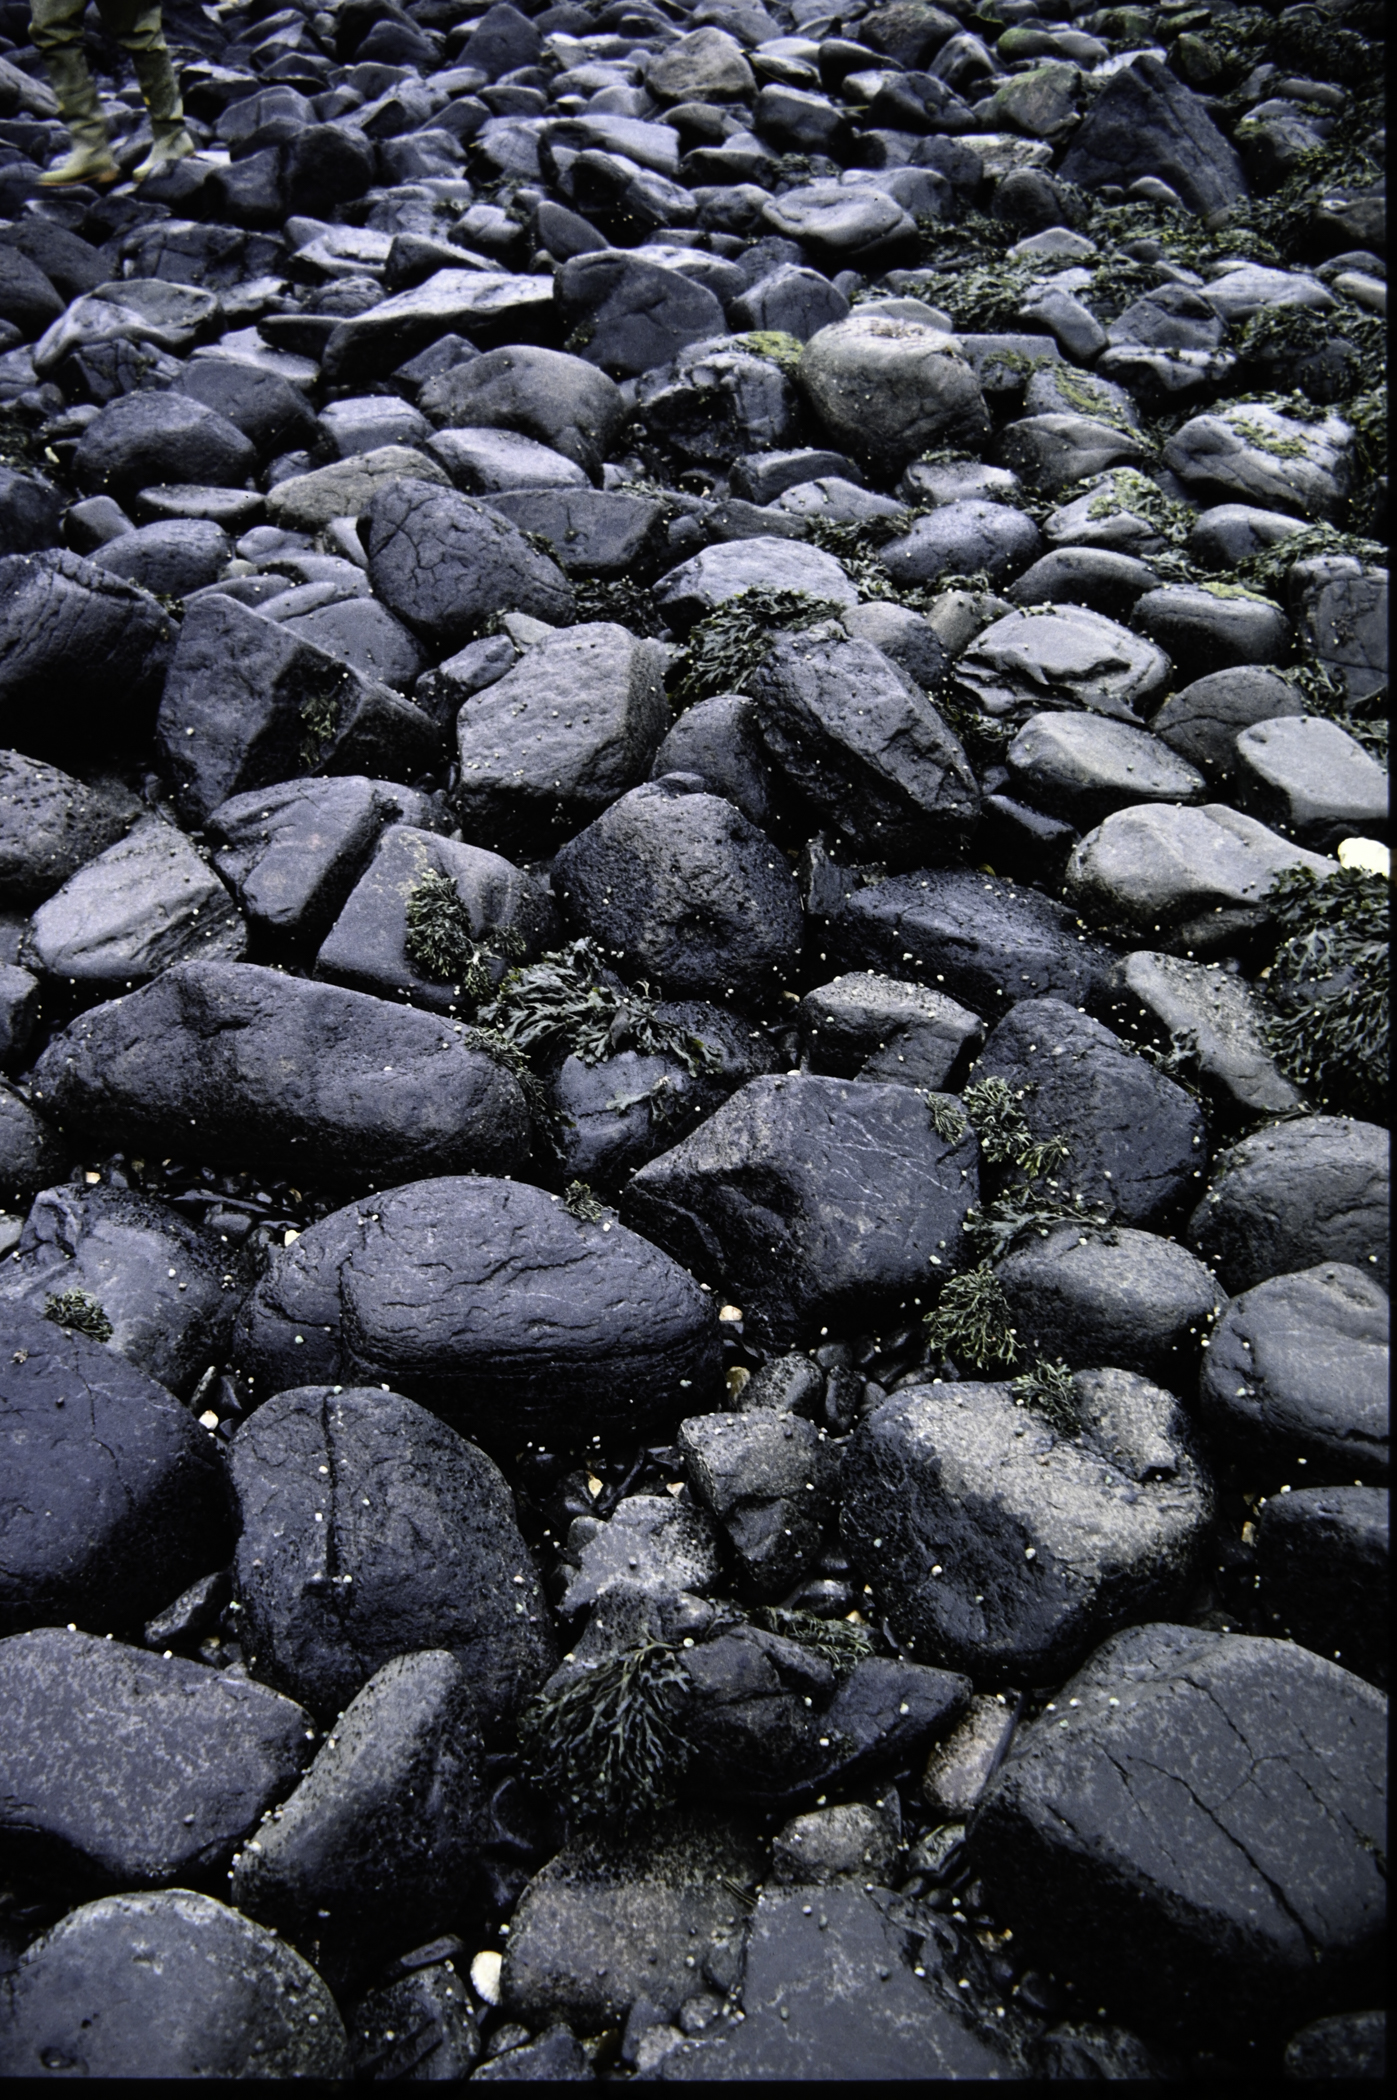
(1295, 1194)
(1086, 1296)
(1202, 722)
(1298, 1371)
(960, 539)
(1064, 655)
(1206, 630)
(1007, 1545)
(1250, 1891)
(1323, 1564)
(537, 1320)
(262, 1064)
(1135, 1138)
(1313, 779)
(112, 1496)
(1082, 767)
(810, 1196)
(677, 885)
(170, 1985)
(886, 390)
(131, 1770)
(370, 1529)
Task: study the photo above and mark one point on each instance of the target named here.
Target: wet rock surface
(693, 938)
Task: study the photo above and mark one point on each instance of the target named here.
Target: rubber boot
(91, 158)
(170, 140)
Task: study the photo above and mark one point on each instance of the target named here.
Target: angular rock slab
(1135, 1137)
(344, 489)
(611, 1920)
(1002, 1546)
(171, 1985)
(813, 1198)
(249, 703)
(32, 1154)
(1222, 1019)
(367, 947)
(679, 886)
(127, 1770)
(111, 1496)
(371, 1853)
(1300, 1368)
(867, 1026)
(977, 937)
(371, 1530)
(1204, 1828)
(1061, 656)
(442, 561)
(1146, 122)
(146, 903)
(547, 747)
(1120, 1297)
(851, 1984)
(169, 1291)
(293, 852)
(858, 738)
(71, 636)
(1199, 876)
(764, 1478)
(474, 303)
(235, 1062)
(52, 825)
(1294, 1194)
(488, 1300)
(649, 1544)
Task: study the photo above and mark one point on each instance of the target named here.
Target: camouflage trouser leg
(57, 28)
(135, 24)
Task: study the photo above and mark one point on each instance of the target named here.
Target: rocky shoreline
(694, 1156)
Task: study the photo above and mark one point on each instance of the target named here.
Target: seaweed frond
(567, 1001)
(1005, 1138)
(78, 1312)
(835, 1641)
(970, 1320)
(320, 718)
(1328, 984)
(777, 346)
(947, 1117)
(1047, 1389)
(581, 1203)
(440, 943)
(995, 1229)
(726, 648)
(607, 1745)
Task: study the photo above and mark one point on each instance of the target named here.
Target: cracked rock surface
(694, 1134)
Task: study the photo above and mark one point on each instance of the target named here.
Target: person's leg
(137, 27)
(56, 28)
